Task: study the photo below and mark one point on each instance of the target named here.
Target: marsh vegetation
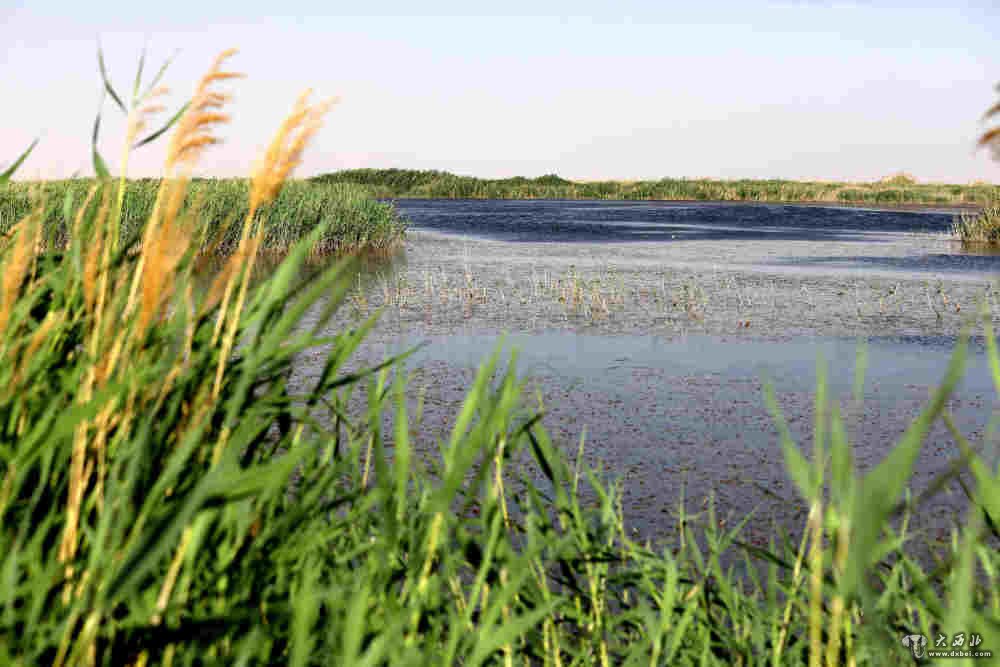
(979, 229)
(438, 184)
(350, 220)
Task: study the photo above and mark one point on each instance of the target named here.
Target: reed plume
(163, 242)
(194, 130)
(138, 119)
(285, 151)
(16, 268)
(991, 138)
(282, 156)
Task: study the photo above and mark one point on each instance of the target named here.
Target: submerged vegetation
(349, 219)
(167, 499)
(898, 189)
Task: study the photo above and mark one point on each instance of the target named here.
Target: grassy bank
(896, 190)
(351, 221)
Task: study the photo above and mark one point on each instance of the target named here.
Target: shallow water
(650, 326)
(675, 222)
(690, 411)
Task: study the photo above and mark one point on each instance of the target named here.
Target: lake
(652, 328)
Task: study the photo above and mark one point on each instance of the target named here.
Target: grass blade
(9, 171)
(107, 80)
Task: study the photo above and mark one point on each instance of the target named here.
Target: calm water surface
(612, 222)
(671, 394)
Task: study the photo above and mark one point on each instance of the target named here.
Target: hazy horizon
(639, 91)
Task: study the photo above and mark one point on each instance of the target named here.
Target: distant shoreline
(956, 208)
(895, 192)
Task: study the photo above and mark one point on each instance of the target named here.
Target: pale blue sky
(587, 89)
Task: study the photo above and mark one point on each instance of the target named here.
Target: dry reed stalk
(138, 118)
(194, 130)
(282, 156)
(102, 247)
(189, 140)
(17, 267)
(35, 342)
(163, 252)
(192, 135)
(135, 123)
(991, 138)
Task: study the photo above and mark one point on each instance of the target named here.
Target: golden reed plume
(16, 269)
(282, 156)
(138, 118)
(285, 151)
(194, 130)
(991, 138)
(167, 236)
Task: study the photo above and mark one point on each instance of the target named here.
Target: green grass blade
(100, 166)
(796, 464)
(138, 77)
(884, 484)
(107, 81)
(9, 171)
(153, 136)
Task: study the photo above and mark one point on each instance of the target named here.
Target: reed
(982, 228)
(898, 189)
(350, 219)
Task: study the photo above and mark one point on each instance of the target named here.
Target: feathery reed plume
(166, 247)
(991, 138)
(285, 151)
(16, 268)
(138, 119)
(91, 264)
(282, 156)
(194, 130)
(191, 136)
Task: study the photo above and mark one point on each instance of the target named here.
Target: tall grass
(166, 499)
(351, 221)
(899, 189)
(982, 228)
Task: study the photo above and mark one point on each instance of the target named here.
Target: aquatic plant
(982, 228)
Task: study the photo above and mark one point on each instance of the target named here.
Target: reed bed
(352, 222)
(166, 499)
(981, 228)
(898, 189)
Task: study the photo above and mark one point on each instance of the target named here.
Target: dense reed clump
(982, 228)
(350, 220)
(166, 499)
(899, 189)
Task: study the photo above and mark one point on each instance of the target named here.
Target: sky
(829, 90)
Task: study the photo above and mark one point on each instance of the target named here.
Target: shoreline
(953, 208)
